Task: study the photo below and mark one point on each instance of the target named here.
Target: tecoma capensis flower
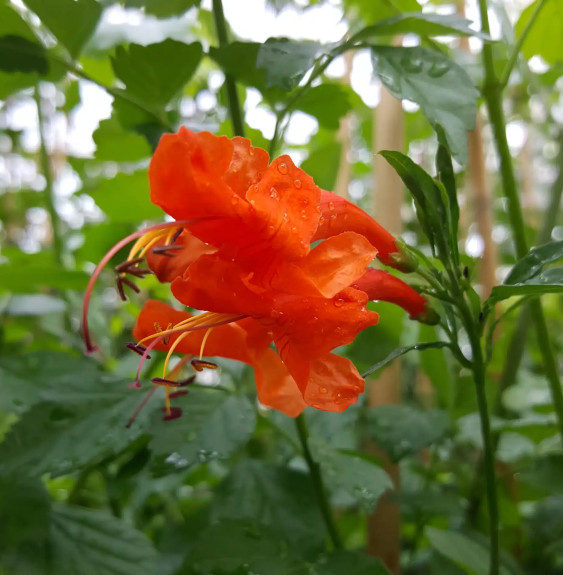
(271, 260)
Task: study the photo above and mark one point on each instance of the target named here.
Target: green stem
(518, 45)
(56, 224)
(318, 484)
(230, 85)
(492, 91)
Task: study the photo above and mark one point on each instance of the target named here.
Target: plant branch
(518, 45)
(318, 484)
(230, 85)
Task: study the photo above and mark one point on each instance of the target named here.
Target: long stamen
(90, 347)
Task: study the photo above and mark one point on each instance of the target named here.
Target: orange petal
(334, 383)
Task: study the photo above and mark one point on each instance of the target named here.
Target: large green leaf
(214, 425)
(157, 72)
(126, 198)
(277, 497)
(442, 89)
(549, 281)
(533, 262)
(71, 21)
(401, 430)
(422, 24)
(286, 61)
(88, 542)
(468, 554)
(24, 526)
(545, 38)
(359, 476)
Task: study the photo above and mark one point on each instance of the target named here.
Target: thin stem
(318, 484)
(230, 85)
(518, 45)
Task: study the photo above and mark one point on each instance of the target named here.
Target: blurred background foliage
(87, 87)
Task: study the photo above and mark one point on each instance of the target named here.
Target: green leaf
(24, 525)
(19, 54)
(442, 89)
(72, 415)
(545, 38)
(157, 72)
(71, 21)
(328, 103)
(286, 61)
(84, 542)
(360, 477)
(163, 8)
(278, 498)
(126, 198)
(532, 263)
(214, 425)
(401, 351)
(223, 548)
(401, 430)
(349, 562)
(421, 24)
(115, 144)
(468, 554)
(17, 278)
(549, 281)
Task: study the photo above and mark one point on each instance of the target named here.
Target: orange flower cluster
(242, 252)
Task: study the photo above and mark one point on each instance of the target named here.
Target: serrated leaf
(71, 21)
(156, 73)
(442, 89)
(360, 477)
(126, 198)
(213, 425)
(401, 430)
(401, 351)
(545, 38)
(286, 61)
(532, 263)
(88, 542)
(422, 24)
(278, 498)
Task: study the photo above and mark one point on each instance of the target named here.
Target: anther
(201, 364)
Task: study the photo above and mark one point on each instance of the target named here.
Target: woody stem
(318, 484)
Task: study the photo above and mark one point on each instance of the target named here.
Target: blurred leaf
(442, 89)
(549, 281)
(328, 103)
(71, 21)
(278, 498)
(156, 73)
(360, 477)
(462, 550)
(223, 548)
(533, 262)
(163, 8)
(545, 38)
(401, 430)
(19, 278)
(348, 563)
(24, 526)
(126, 198)
(421, 24)
(19, 54)
(401, 351)
(214, 425)
(286, 61)
(114, 144)
(322, 164)
(435, 366)
(84, 542)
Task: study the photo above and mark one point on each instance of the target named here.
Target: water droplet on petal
(282, 168)
(297, 183)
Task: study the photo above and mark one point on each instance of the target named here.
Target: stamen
(200, 364)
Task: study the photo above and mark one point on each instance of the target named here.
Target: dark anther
(466, 272)
(178, 393)
(164, 250)
(200, 364)
(137, 348)
(175, 413)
